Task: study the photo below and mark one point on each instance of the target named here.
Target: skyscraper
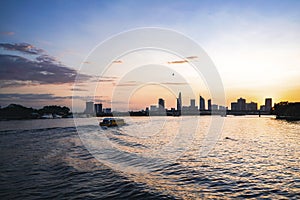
(268, 104)
(89, 107)
(161, 104)
(179, 102)
(209, 104)
(193, 103)
(241, 104)
(98, 108)
(201, 103)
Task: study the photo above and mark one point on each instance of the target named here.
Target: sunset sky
(255, 46)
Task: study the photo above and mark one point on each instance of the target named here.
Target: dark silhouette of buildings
(142, 112)
(201, 103)
(267, 108)
(252, 106)
(240, 107)
(98, 108)
(179, 103)
(268, 104)
(107, 110)
(161, 104)
(209, 104)
(241, 104)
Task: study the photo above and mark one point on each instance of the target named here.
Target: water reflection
(253, 158)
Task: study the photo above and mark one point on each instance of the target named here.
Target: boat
(111, 122)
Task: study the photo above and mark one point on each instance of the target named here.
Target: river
(150, 158)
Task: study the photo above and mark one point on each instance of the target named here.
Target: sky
(254, 45)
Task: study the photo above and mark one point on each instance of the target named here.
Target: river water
(251, 157)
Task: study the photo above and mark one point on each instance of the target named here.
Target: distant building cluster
(238, 107)
(180, 109)
(96, 109)
(159, 109)
(242, 105)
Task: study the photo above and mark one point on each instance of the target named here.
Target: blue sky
(66, 25)
(243, 38)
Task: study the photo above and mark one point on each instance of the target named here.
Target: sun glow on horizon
(254, 46)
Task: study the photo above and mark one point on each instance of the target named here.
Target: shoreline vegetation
(283, 110)
(19, 112)
(287, 111)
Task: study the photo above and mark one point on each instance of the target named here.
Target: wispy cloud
(14, 83)
(22, 47)
(7, 33)
(127, 84)
(178, 61)
(79, 89)
(135, 83)
(104, 79)
(42, 99)
(191, 57)
(184, 60)
(174, 83)
(46, 59)
(13, 97)
(26, 97)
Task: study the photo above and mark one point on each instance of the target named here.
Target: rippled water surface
(150, 158)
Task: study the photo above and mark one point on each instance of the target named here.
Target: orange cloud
(183, 61)
(128, 83)
(178, 62)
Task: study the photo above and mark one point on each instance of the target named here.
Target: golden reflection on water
(254, 157)
(260, 153)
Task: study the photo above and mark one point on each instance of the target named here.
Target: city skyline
(241, 104)
(254, 46)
